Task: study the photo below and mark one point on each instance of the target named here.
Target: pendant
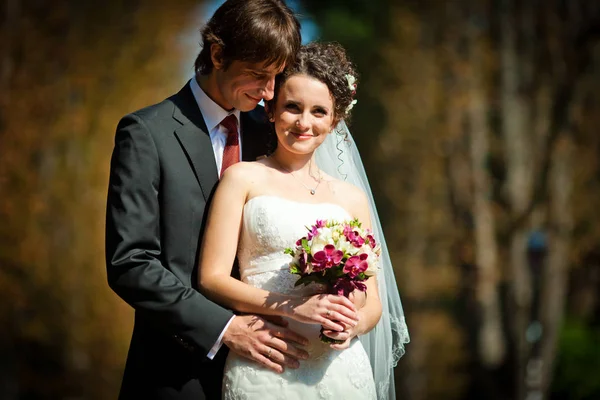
(312, 191)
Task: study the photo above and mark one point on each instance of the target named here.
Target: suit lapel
(195, 140)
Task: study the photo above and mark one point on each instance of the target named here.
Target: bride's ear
(335, 123)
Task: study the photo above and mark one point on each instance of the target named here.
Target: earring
(272, 119)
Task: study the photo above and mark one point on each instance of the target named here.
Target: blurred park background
(478, 124)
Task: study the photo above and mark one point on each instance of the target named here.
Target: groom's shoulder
(162, 110)
(156, 111)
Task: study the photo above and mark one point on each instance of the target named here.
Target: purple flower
(355, 265)
(327, 258)
(353, 237)
(321, 223)
(345, 286)
(303, 261)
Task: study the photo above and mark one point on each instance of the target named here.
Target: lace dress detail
(271, 224)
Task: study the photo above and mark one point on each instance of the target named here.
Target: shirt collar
(212, 113)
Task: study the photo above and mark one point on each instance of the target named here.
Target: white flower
(336, 235)
(373, 265)
(351, 82)
(322, 239)
(347, 247)
(351, 106)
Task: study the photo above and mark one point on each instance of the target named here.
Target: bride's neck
(294, 162)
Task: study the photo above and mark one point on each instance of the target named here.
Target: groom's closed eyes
(262, 73)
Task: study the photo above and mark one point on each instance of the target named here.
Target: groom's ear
(216, 56)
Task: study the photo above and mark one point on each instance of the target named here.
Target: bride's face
(303, 114)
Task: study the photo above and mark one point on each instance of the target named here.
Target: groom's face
(243, 85)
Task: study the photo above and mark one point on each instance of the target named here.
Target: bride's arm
(217, 255)
(370, 313)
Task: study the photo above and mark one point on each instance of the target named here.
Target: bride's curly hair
(328, 63)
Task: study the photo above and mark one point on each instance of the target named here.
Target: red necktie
(231, 154)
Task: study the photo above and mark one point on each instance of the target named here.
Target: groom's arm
(133, 246)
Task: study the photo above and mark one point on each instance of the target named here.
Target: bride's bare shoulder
(353, 197)
(245, 171)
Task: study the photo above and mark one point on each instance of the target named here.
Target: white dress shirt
(213, 114)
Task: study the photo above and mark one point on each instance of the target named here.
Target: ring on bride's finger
(328, 313)
(269, 352)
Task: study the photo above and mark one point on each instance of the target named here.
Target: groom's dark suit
(162, 175)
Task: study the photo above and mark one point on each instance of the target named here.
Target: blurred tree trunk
(490, 338)
(555, 278)
(518, 155)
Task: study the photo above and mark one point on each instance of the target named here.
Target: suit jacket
(162, 177)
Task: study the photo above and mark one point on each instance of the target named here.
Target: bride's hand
(331, 311)
(346, 335)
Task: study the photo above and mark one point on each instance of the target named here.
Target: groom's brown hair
(255, 31)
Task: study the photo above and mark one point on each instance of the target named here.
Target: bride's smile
(303, 114)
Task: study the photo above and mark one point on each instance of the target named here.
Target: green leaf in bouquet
(289, 251)
(305, 245)
(294, 269)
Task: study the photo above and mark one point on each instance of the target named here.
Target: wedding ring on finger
(269, 352)
(328, 313)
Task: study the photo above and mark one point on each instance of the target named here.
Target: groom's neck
(208, 84)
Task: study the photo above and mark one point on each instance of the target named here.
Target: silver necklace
(311, 190)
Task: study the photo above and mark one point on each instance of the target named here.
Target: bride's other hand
(270, 344)
(331, 311)
(346, 335)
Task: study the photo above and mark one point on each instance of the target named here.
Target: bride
(261, 208)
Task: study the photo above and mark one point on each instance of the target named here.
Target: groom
(166, 162)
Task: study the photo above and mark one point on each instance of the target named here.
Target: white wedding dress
(271, 224)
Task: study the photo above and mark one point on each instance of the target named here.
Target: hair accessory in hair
(352, 86)
(351, 83)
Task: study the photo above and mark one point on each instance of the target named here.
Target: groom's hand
(271, 344)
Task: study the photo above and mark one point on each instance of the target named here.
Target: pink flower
(314, 230)
(353, 237)
(355, 265)
(299, 241)
(372, 241)
(327, 258)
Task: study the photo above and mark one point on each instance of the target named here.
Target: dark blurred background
(478, 124)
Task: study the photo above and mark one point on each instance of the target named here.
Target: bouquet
(339, 255)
